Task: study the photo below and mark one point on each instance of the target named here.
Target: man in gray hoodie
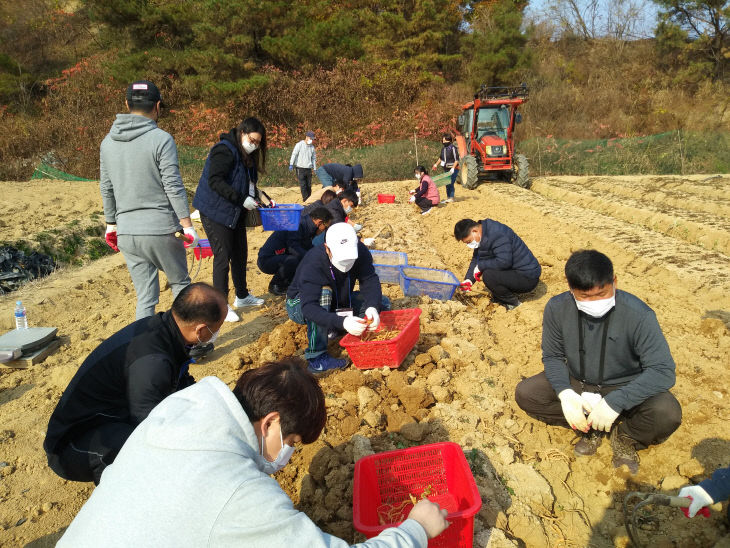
(145, 202)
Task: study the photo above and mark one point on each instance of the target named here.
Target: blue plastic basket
(281, 217)
(437, 284)
(387, 265)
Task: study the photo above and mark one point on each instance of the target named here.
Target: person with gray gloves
(227, 189)
(145, 203)
(196, 472)
(608, 367)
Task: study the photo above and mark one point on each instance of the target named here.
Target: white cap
(341, 239)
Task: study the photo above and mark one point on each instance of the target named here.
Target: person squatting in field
(500, 259)
(197, 471)
(426, 195)
(608, 367)
(124, 378)
(284, 249)
(322, 294)
(144, 198)
(226, 190)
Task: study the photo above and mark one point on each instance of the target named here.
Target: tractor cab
(486, 128)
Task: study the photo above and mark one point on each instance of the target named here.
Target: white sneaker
(232, 316)
(427, 211)
(249, 300)
(448, 200)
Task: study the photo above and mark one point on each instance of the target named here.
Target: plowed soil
(670, 243)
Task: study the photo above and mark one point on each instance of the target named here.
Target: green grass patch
(671, 153)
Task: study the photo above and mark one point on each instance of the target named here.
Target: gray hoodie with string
(140, 182)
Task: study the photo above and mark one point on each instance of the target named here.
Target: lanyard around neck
(582, 351)
(337, 297)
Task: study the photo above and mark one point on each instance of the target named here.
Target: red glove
(465, 285)
(280, 251)
(704, 511)
(111, 237)
(477, 274)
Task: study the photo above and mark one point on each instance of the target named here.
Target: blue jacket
(292, 242)
(344, 173)
(316, 271)
(211, 203)
(502, 249)
(718, 487)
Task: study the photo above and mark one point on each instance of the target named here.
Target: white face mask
(474, 244)
(344, 265)
(417, 176)
(348, 209)
(212, 339)
(281, 459)
(308, 141)
(597, 308)
(248, 146)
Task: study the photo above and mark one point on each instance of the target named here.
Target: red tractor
(486, 137)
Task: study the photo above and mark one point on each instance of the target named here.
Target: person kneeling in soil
(197, 472)
(426, 195)
(501, 260)
(284, 249)
(124, 378)
(322, 297)
(708, 492)
(608, 367)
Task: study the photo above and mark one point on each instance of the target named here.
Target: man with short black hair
(145, 202)
(336, 187)
(342, 206)
(608, 367)
(500, 259)
(284, 249)
(197, 472)
(124, 378)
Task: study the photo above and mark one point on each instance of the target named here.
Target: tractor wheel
(520, 171)
(469, 172)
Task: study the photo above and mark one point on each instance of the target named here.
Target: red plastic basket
(386, 198)
(390, 353)
(390, 477)
(202, 250)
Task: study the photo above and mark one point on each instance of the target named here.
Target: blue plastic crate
(437, 284)
(281, 217)
(387, 265)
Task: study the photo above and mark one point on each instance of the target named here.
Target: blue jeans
(317, 335)
(450, 186)
(324, 177)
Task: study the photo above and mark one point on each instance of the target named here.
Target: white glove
(354, 325)
(357, 227)
(411, 191)
(412, 199)
(602, 416)
(190, 233)
(451, 171)
(249, 203)
(372, 314)
(573, 409)
(368, 241)
(700, 498)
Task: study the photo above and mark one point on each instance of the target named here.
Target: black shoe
(276, 289)
(624, 452)
(588, 443)
(201, 350)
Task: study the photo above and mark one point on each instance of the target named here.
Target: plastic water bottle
(21, 318)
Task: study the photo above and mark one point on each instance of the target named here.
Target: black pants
(281, 266)
(84, 457)
(304, 176)
(424, 203)
(649, 423)
(230, 247)
(503, 284)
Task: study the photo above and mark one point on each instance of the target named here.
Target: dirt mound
(458, 382)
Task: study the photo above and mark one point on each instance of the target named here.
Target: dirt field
(669, 239)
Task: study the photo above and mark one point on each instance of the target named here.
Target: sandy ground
(670, 243)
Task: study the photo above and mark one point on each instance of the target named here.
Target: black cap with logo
(143, 94)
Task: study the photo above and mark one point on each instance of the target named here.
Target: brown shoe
(624, 451)
(588, 443)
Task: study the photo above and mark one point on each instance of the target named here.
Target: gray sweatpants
(146, 256)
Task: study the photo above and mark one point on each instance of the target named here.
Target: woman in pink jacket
(426, 195)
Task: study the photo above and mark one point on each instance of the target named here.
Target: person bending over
(607, 365)
(426, 195)
(124, 378)
(197, 472)
(500, 259)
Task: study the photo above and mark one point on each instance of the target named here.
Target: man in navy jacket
(501, 260)
(284, 249)
(322, 297)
